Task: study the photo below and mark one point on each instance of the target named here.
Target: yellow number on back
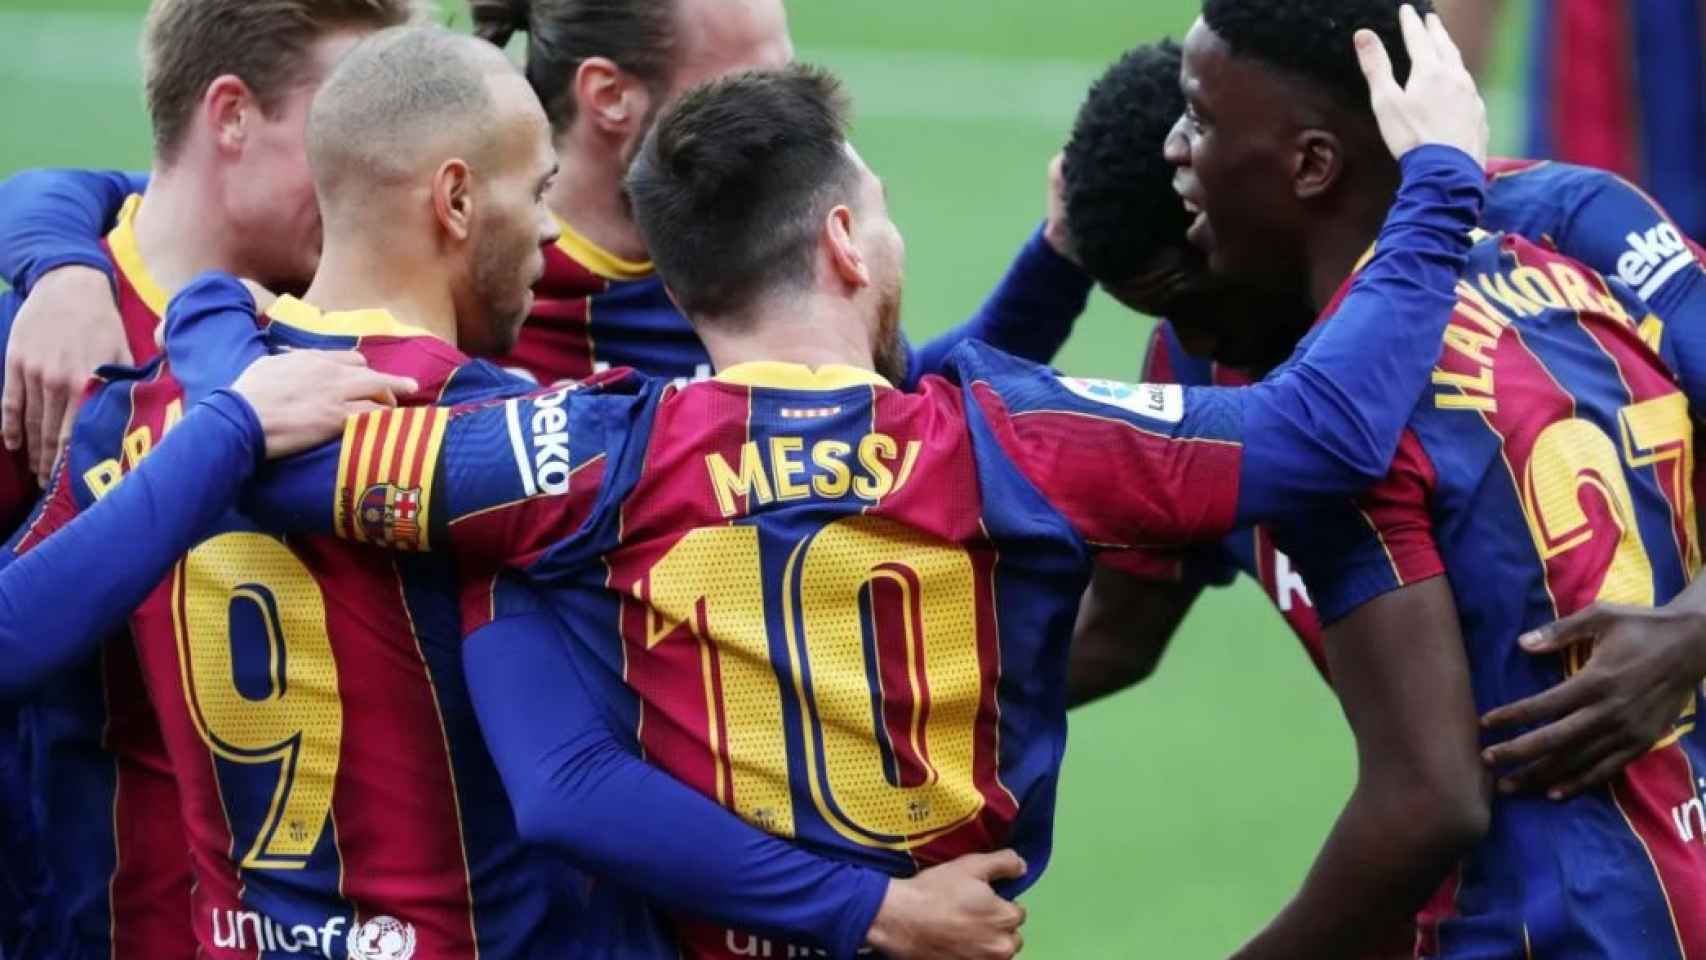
(1571, 454)
(298, 725)
(839, 573)
(711, 582)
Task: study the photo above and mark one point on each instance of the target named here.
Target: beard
(890, 357)
(501, 298)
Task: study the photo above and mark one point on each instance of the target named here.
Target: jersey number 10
(880, 664)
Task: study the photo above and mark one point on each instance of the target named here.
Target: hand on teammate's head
(1439, 105)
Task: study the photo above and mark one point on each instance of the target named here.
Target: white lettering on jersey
(1157, 401)
(542, 460)
(1653, 258)
(1288, 584)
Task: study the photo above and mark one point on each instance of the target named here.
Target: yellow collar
(597, 259)
(348, 323)
(798, 376)
(122, 242)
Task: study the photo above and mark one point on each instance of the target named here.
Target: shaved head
(428, 147)
(398, 104)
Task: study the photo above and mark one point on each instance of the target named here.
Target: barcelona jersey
(1551, 466)
(1621, 85)
(593, 310)
(1589, 215)
(100, 784)
(337, 794)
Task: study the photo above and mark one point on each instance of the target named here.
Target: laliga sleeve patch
(1156, 401)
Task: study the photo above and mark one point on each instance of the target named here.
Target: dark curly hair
(1312, 38)
(1120, 204)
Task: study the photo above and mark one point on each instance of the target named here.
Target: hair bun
(499, 20)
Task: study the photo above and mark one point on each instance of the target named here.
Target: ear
(453, 198)
(229, 107)
(608, 97)
(845, 257)
(1319, 163)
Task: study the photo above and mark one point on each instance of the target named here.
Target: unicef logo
(382, 938)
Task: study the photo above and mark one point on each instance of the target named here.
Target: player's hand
(1056, 231)
(68, 326)
(1645, 665)
(1439, 104)
(950, 912)
(302, 398)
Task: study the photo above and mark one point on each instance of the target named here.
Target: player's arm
(51, 223)
(1125, 623)
(575, 789)
(143, 524)
(1137, 466)
(1619, 231)
(1421, 800)
(56, 218)
(1031, 312)
(1398, 664)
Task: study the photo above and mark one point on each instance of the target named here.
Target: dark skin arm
(1421, 798)
(1645, 668)
(1124, 625)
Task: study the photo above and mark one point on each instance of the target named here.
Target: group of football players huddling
(707, 615)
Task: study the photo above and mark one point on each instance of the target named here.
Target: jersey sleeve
(154, 514)
(56, 218)
(1030, 313)
(1622, 233)
(497, 482)
(1360, 549)
(576, 789)
(1165, 361)
(1160, 463)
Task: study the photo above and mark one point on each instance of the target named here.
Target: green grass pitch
(1189, 807)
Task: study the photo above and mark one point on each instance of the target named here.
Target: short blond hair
(187, 44)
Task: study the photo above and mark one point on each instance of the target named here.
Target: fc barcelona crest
(391, 516)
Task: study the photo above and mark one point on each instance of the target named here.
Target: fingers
(1444, 47)
(1537, 744)
(12, 403)
(1376, 66)
(1598, 775)
(1562, 766)
(56, 397)
(1000, 865)
(1417, 40)
(33, 387)
(1572, 694)
(1579, 627)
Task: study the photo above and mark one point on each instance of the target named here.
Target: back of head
(187, 44)
(1120, 202)
(637, 35)
(733, 184)
(1312, 40)
(398, 104)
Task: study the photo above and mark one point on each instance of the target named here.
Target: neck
(1343, 235)
(364, 269)
(182, 229)
(587, 194)
(813, 331)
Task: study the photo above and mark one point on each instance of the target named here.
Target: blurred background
(1190, 806)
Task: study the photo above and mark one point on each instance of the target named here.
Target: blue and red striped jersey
(100, 785)
(1589, 215)
(1621, 85)
(337, 793)
(593, 311)
(1551, 466)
